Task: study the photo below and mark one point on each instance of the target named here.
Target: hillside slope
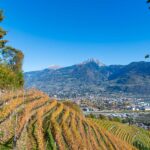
(138, 137)
(31, 120)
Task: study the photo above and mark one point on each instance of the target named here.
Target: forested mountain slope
(92, 78)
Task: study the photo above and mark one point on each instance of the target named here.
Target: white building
(147, 108)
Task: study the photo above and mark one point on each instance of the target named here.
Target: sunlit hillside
(138, 137)
(31, 120)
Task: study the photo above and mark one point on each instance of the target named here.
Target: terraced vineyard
(138, 137)
(30, 120)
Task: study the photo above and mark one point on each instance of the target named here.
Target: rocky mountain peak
(54, 67)
(94, 61)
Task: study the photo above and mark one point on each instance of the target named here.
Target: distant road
(107, 113)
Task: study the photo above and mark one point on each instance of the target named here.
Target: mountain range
(91, 78)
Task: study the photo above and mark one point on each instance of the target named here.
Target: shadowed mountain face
(91, 78)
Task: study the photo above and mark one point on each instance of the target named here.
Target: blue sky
(66, 32)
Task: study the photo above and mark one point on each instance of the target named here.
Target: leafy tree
(148, 1)
(7, 78)
(116, 119)
(91, 116)
(11, 60)
(102, 117)
(147, 56)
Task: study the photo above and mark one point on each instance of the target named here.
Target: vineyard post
(15, 138)
(0, 95)
(24, 98)
(15, 128)
(55, 144)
